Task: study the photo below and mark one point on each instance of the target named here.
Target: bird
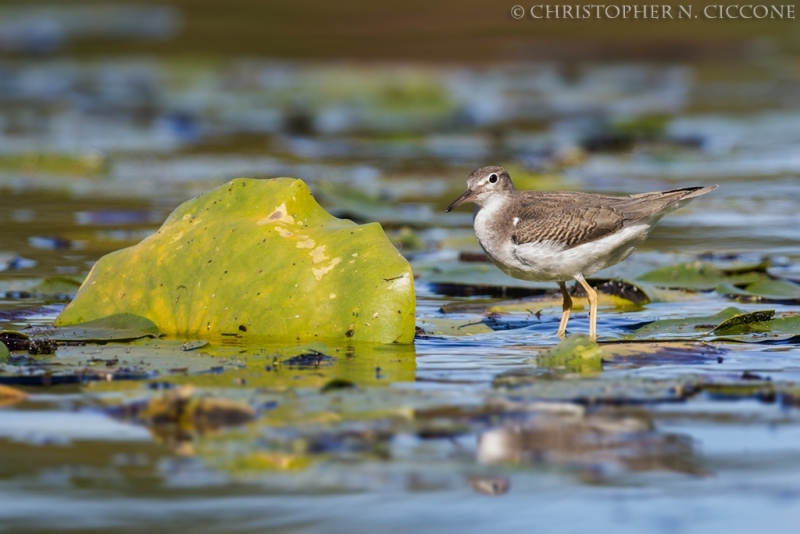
(558, 236)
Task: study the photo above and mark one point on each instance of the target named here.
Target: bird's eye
(493, 179)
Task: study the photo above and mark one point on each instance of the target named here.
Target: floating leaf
(685, 326)
(767, 289)
(119, 327)
(698, 276)
(534, 304)
(730, 324)
(780, 329)
(257, 258)
(746, 323)
(578, 353)
(14, 340)
(639, 291)
(104, 366)
(194, 345)
(4, 352)
(57, 286)
(467, 279)
(452, 327)
(737, 265)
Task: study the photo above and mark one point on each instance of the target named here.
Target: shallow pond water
(468, 429)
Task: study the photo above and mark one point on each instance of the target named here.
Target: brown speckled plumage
(573, 218)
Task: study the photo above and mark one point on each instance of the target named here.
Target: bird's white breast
(553, 262)
(486, 230)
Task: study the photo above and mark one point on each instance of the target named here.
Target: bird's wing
(570, 218)
(576, 218)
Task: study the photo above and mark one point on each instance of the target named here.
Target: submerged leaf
(257, 258)
(578, 353)
(336, 384)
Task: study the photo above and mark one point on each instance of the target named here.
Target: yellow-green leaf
(260, 259)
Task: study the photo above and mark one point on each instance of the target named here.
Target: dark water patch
(309, 360)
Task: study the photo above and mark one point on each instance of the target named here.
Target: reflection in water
(592, 445)
(177, 417)
(490, 485)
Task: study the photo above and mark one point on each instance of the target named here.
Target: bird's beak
(468, 196)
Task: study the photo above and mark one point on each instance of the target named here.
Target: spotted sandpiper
(556, 236)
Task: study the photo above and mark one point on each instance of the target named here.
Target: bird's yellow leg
(592, 294)
(566, 308)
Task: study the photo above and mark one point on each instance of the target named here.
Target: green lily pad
(746, 323)
(693, 327)
(738, 266)
(578, 354)
(57, 286)
(14, 340)
(730, 324)
(436, 326)
(4, 352)
(119, 327)
(114, 365)
(698, 276)
(778, 329)
(651, 292)
(778, 290)
(257, 259)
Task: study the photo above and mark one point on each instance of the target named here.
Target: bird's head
(483, 184)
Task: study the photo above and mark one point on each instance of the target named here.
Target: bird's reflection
(592, 445)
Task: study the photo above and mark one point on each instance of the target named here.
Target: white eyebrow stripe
(516, 220)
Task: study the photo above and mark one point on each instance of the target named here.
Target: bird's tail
(656, 205)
